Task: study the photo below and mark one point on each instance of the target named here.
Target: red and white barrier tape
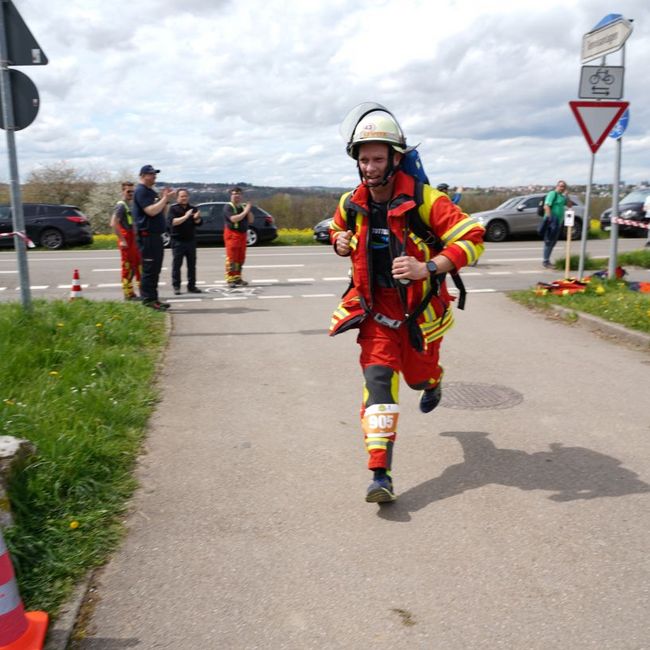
(629, 222)
(22, 235)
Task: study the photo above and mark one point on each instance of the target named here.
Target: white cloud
(255, 91)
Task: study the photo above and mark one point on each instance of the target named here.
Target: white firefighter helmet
(370, 122)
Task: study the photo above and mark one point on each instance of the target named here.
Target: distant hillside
(202, 192)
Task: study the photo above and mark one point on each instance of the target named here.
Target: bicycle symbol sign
(601, 82)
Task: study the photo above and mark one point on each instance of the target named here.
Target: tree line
(96, 193)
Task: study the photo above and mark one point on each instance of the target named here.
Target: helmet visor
(355, 116)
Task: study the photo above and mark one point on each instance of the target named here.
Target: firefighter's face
(373, 162)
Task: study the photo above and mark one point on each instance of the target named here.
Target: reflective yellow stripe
(472, 251)
(459, 229)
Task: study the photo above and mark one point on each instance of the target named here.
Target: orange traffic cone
(75, 290)
(19, 630)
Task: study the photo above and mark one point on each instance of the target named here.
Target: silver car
(518, 217)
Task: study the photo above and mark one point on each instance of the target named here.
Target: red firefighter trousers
(235, 253)
(131, 263)
(385, 352)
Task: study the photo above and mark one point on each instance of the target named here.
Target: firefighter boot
(381, 488)
(430, 398)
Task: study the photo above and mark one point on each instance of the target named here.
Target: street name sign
(597, 119)
(601, 82)
(605, 40)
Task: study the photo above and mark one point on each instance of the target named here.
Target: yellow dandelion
(74, 524)
(99, 325)
(10, 402)
(53, 373)
(59, 324)
(600, 290)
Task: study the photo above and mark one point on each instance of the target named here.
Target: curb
(596, 324)
(60, 632)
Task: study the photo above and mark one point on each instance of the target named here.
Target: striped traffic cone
(75, 289)
(19, 630)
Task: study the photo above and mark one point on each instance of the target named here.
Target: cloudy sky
(254, 90)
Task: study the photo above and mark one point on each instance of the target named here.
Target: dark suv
(49, 225)
(211, 230)
(630, 207)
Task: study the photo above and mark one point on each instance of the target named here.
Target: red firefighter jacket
(461, 239)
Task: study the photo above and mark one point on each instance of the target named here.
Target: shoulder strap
(418, 226)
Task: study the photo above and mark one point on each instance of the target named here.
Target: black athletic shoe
(177, 291)
(430, 398)
(194, 290)
(381, 489)
(154, 304)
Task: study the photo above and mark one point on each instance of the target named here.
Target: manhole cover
(459, 395)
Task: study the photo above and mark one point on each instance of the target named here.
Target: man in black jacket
(183, 219)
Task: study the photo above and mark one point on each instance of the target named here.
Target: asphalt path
(520, 523)
(274, 272)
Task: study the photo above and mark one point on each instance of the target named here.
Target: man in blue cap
(149, 215)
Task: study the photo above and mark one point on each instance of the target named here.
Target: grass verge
(611, 300)
(286, 237)
(77, 381)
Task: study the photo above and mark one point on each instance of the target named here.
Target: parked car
(518, 216)
(210, 231)
(629, 207)
(322, 231)
(49, 225)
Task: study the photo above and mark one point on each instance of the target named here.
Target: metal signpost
(597, 118)
(20, 105)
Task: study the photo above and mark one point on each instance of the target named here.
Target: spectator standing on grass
(123, 226)
(183, 219)
(555, 203)
(149, 214)
(236, 217)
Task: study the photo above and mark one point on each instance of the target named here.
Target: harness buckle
(387, 322)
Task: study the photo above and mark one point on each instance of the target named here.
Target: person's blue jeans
(550, 238)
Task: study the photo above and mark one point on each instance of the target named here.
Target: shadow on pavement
(571, 473)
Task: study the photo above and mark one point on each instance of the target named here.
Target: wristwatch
(432, 267)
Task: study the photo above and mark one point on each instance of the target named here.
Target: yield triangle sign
(22, 48)
(597, 119)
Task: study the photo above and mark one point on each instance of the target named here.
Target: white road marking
(272, 297)
(499, 272)
(8, 271)
(175, 300)
(342, 279)
(105, 270)
(533, 272)
(106, 285)
(300, 280)
(273, 266)
(232, 298)
(318, 295)
(269, 281)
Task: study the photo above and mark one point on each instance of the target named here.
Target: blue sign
(621, 125)
(607, 20)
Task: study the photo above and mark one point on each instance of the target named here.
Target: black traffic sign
(22, 48)
(25, 100)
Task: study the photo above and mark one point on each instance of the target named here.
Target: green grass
(76, 380)
(286, 237)
(611, 300)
